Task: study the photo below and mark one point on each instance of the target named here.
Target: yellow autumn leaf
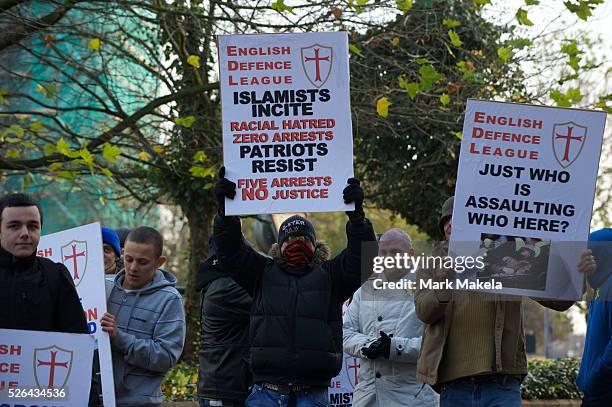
(144, 156)
(395, 41)
(194, 61)
(382, 106)
(158, 149)
(94, 44)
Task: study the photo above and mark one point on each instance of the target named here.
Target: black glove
(354, 193)
(378, 348)
(224, 188)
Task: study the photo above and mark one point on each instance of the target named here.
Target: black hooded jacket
(39, 295)
(296, 318)
(224, 341)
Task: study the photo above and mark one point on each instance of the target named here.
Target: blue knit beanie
(110, 237)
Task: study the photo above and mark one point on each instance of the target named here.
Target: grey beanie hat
(446, 213)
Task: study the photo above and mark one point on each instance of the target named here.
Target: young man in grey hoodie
(145, 320)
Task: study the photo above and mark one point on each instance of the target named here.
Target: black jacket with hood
(39, 295)
(296, 318)
(224, 341)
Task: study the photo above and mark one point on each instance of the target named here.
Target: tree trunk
(199, 222)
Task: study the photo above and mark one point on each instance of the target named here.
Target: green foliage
(567, 99)
(181, 383)
(450, 23)
(202, 172)
(408, 159)
(582, 8)
(186, 122)
(111, 153)
(551, 379)
(404, 5)
(3, 99)
(505, 54)
(454, 37)
(521, 17)
(605, 103)
(48, 90)
(281, 7)
(428, 76)
(354, 49)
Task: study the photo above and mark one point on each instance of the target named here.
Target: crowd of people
(273, 330)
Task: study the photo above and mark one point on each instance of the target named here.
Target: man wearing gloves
(296, 328)
(381, 327)
(145, 320)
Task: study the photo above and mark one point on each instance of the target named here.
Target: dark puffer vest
(296, 317)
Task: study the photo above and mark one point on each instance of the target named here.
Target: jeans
(220, 403)
(262, 397)
(481, 391)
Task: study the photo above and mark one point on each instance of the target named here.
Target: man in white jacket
(381, 327)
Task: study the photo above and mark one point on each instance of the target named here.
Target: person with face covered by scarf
(296, 318)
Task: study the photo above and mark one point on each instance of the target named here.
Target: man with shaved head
(381, 327)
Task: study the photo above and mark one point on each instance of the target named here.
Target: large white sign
(524, 195)
(287, 134)
(80, 250)
(44, 368)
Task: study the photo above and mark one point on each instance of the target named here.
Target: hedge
(551, 379)
(547, 379)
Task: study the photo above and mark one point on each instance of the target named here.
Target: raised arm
(345, 268)
(234, 255)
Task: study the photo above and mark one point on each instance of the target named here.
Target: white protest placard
(44, 368)
(342, 386)
(80, 250)
(524, 195)
(287, 133)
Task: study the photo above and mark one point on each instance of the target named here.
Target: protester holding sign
(381, 327)
(296, 329)
(146, 321)
(473, 349)
(35, 293)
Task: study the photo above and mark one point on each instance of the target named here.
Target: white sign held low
(45, 368)
(80, 250)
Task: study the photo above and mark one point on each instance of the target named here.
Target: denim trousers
(481, 391)
(262, 397)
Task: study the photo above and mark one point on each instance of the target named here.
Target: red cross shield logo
(317, 63)
(352, 370)
(52, 366)
(568, 140)
(74, 257)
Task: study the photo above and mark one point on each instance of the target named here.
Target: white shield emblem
(317, 63)
(568, 140)
(52, 366)
(74, 257)
(352, 370)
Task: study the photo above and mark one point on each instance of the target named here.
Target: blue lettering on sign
(92, 329)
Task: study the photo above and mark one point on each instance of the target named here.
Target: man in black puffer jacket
(296, 318)
(224, 377)
(36, 294)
